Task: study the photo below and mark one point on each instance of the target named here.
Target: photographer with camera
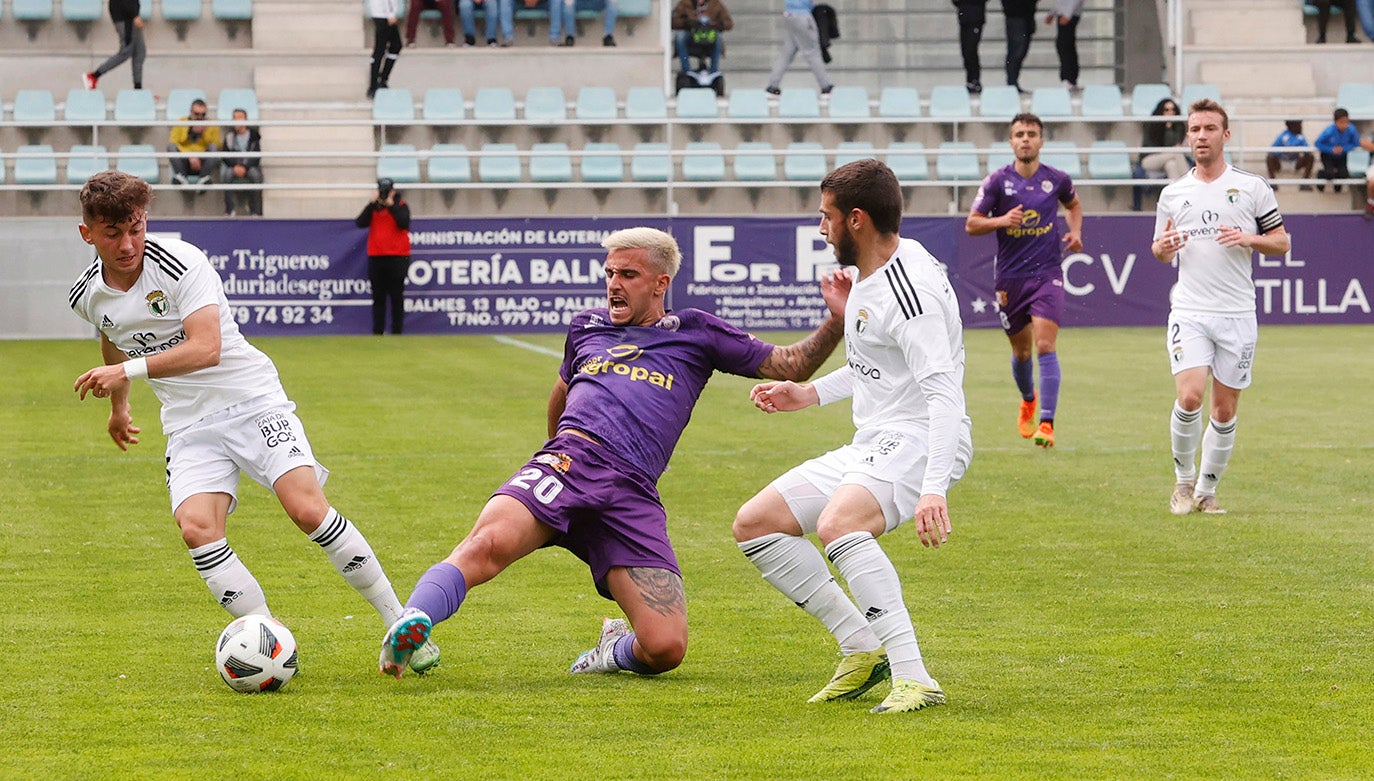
(387, 219)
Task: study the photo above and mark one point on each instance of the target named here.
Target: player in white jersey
(905, 370)
(1213, 221)
(163, 317)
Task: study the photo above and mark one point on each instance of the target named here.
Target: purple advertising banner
(300, 277)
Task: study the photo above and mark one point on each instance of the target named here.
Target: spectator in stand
(1066, 13)
(129, 25)
(497, 12)
(195, 137)
(1334, 144)
(1170, 135)
(800, 35)
(386, 42)
(387, 219)
(1302, 162)
(973, 14)
(445, 9)
(1020, 17)
(698, 19)
(566, 10)
(241, 164)
(1324, 16)
(1368, 145)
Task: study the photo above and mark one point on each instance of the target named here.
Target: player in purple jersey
(630, 376)
(1021, 202)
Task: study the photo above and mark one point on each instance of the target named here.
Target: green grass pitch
(1079, 629)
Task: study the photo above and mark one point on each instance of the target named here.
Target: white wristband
(136, 369)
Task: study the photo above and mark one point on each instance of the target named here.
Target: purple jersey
(1031, 250)
(633, 387)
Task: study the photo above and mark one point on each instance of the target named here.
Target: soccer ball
(256, 654)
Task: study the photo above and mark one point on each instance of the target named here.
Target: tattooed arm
(799, 361)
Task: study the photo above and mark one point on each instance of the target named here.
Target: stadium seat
(232, 10)
(907, 159)
(1195, 92)
(82, 11)
(645, 103)
(849, 103)
(176, 10)
(1101, 100)
(799, 103)
(494, 104)
(393, 105)
(759, 165)
(595, 103)
(650, 162)
(1108, 160)
(804, 161)
(498, 163)
(547, 105)
(1055, 155)
(1357, 98)
(999, 157)
(552, 163)
(84, 106)
(442, 104)
(1001, 103)
(449, 164)
(399, 163)
(706, 165)
(950, 102)
(179, 101)
(1357, 161)
(86, 161)
(603, 167)
(900, 103)
(139, 160)
(849, 151)
(748, 103)
(32, 10)
(135, 107)
(697, 103)
(34, 105)
(231, 98)
(1144, 98)
(35, 165)
(1051, 103)
(960, 163)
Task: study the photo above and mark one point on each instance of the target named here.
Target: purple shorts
(1020, 299)
(605, 511)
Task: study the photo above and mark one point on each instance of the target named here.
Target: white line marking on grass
(534, 348)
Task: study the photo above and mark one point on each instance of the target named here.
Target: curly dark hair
(114, 197)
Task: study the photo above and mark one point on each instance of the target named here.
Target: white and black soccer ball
(256, 654)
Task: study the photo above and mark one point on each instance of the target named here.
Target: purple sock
(625, 657)
(1024, 374)
(1049, 385)
(440, 592)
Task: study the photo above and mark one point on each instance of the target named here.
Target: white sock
(230, 582)
(350, 554)
(1217, 444)
(1185, 429)
(793, 566)
(878, 592)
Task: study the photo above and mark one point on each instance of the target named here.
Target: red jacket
(388, 228)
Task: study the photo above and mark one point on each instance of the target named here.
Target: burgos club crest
(1233, 196)
(861, 322)
(158, 304)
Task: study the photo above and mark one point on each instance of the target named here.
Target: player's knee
(196, 531)
(749, 524)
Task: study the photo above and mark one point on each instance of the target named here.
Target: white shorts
(892, 467)
(262, 437)
(1224, 344)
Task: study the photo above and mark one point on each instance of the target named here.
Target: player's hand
(1171, 240)
(121, 427)
(102, 381)
(932, 520)
(1073, 242)
(835, 286)
(1229, 236)
(1013, 218)
(783, 396)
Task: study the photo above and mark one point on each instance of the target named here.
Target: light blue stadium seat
(1144, 98)
(145, 9)
(40, 167)
(1357, 161)
(232, 10)
(399, 163)
(139, 160)
(799, 103)
(804, 162)
(999, 157)
(645, 103)
(179, 101)
(450, 164)
(494, 104)
(748, 103)
(697, 103)
(84, 106)
(2, 173)
(900, 102)
(86, 161)
(1108, 160)
(1054, 155)
(498, 163)
(135, 107)
(1101, 100)
(393, 105)
(761, 166)
(1051, 103)
(178, 10)
(907, 159)
(999, 102)
(849, 151)
(547, 105)
(650, 162)
(552, 164)
(1357, 98)
(707, 166)
(595, 103)
(34, 105)
(961, 164)
(603, 167)
(82, 11)
(950, 102)
(1195, 92)
(849, 103)
(32, 10)
(231, 98)
(443, 104)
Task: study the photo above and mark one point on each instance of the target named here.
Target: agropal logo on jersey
(158, 305)
(618, 360)
(1030, 226)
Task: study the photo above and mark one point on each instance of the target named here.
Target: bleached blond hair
(662, 248)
